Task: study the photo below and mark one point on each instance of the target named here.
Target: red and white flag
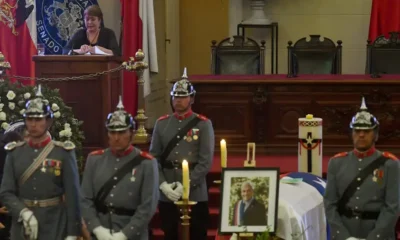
(138, 32)
(18, 35)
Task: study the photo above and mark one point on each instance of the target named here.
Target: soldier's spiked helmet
(183, 88)
(363, 120)
(38, 107)
(119, 120)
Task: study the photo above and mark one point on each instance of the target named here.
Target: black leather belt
(177, 165)
(353, 213)
(114, 210)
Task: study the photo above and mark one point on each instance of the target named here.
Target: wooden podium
(91, 99)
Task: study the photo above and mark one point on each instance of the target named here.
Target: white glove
(168, 192)
(102, 233)
(179, 189)
(234, 237)
(71, 238)
(30, 224)
(352, 238)
(119, 236)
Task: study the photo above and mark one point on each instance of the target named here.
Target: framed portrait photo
(249, 200)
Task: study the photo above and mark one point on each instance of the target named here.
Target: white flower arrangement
(65, 127)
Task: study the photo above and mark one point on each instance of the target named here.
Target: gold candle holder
(138, 66)
(4, 65)
(184, 207)
(250, 161)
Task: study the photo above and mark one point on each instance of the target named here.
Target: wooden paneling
(92, 98)
(266, 111)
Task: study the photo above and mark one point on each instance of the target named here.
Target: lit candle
(223, 153)
(185, 180)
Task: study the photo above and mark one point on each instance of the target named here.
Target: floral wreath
(13, 99)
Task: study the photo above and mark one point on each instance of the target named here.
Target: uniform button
(357, 198)
(359, 169)
(358, 188)
(356, 217)
(179, 128)
(130, 193)
(115, 168)
(115, 178)
(111, 195)
(337, 232)
(180, 120)
(34, 178)
(35, 150)
(377, 236)
(178, 136)
(176, 152)
(117, 159)
(34, 188)
(114, 186)
(358, 179)
(132, 228)
(111, 204)
(177, 144)
(360, 159)
(356, 207)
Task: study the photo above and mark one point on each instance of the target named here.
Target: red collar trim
(364, 154)
(125, 153)
(184, 116)
(41, 144)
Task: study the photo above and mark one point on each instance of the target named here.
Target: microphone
(72, 52)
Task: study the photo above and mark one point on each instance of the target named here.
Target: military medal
(189, 136)
(57, 170)
(43, 169)
(374, 179)
(133, 175)
(189, 139)
(195, 133)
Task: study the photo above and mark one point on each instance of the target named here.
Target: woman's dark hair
(94, 11)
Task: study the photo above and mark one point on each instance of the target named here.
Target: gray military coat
(136, 191)
(56, 222)
(197, 147)
(379, 192)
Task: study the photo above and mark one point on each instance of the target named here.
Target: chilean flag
(18, 35)
(385, 18)
(317, 182)
(138, 32)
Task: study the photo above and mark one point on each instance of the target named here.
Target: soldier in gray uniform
(120, 184)
(190, 136)
(362, 192)
(37, 175)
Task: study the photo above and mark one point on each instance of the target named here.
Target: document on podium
(97, 51)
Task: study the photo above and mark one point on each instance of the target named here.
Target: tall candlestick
(185, 179)
(224, 155)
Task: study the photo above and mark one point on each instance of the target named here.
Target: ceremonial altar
(90, 97)
(264, 109)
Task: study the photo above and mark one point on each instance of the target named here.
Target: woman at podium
(93, 39)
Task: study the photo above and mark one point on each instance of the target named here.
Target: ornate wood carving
(266, 111)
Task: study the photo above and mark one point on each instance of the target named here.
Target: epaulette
(202, 117)
(163, 117)
(97, 152)
(342, 154)
(390, 155)
(12, 145)
(67, 145)
(146, 155)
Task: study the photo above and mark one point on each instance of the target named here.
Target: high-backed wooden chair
(237, 55)
(314, 56)
(383, 55)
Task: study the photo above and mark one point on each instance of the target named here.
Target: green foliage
(261, 191)
(15, 106)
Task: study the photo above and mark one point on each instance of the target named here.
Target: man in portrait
(248, 211)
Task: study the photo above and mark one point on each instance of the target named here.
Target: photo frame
(249, 200)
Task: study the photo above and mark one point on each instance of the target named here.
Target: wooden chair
(237, 55)
(314, 56)
(383, 55)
